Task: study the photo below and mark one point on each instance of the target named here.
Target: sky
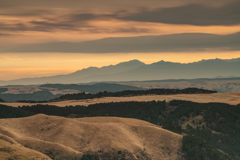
(43, 38)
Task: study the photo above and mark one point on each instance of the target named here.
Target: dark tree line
(35, 96)
(13, 112)
(3, 90)
(83, 95)
(198, 149)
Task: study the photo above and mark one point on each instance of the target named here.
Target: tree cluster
(83, 95)
(1, 100)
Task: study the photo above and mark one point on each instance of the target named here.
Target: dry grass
(64, 91)
(232, 98)
(56, 136)
(198, 122)
(22, 89)
(10, 151)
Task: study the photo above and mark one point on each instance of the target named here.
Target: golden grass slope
(63, 137)
(11, 150)
(232, 98)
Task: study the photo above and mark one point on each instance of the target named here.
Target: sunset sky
(47, 37)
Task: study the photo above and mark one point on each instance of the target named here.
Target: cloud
(118, 30)
(27, 12)
(43, 25)
(103, 4)
(51, 18)
(186, 42)
(52, 25)
(194, 14)
(83, 17)
(131, 30)
(11, 58)
(4, 34)
(13, 27)
(47, 23)
(70, 22)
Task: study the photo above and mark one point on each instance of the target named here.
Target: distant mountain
(137, 71)
(78, 75)
(168, 70)
(112, 69)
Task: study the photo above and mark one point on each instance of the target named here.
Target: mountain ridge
(136, 70)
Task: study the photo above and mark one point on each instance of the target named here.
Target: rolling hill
(107, 137)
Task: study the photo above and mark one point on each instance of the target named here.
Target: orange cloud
(111, 28)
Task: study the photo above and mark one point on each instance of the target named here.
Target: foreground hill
(106, 137)
(11, 150)
(211, 129)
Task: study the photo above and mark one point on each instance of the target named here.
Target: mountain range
(135, 70)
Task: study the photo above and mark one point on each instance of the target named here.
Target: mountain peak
(111, 69)
(134, 62)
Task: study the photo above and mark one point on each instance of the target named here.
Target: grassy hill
(15, 151)
(105, 137)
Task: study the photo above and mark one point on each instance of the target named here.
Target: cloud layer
(28, 20)
(194, 14)
(52, 18)
(190, 42)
